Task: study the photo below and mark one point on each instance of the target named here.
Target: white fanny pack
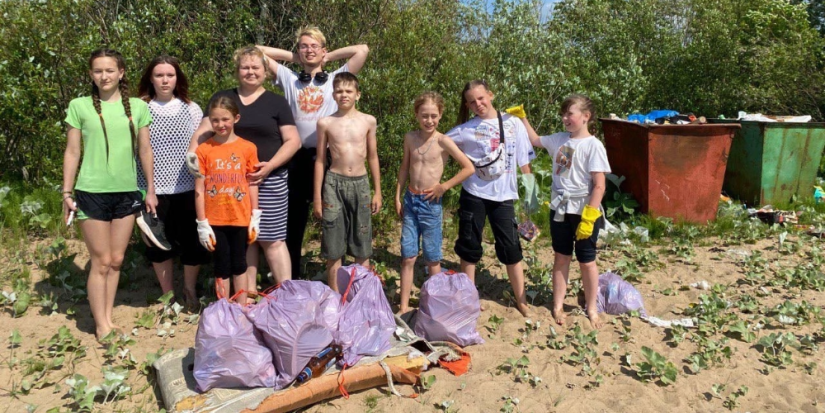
(493, 165)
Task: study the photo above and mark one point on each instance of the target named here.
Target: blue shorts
(422, 219)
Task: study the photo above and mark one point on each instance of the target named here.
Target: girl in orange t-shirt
(226, 205)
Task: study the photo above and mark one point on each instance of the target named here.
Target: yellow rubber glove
(589, 217)
(517, 111)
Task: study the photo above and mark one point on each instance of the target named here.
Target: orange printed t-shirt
(226, 189)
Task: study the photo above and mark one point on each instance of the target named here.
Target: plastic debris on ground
(770, 216)
(769, 118)
(296, 322)
(700, 285)
(366, 322)
(229, 351)
(449, 308)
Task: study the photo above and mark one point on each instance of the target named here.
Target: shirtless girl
(426, 152)
(342, 197)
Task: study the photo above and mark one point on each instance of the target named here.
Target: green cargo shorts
(347, 226)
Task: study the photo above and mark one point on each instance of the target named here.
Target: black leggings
(300, 183)
(230, 251)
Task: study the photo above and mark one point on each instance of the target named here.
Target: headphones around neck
(320, 77)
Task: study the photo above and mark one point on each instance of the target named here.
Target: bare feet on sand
(559, 316)
(595, 320)
(523, 309)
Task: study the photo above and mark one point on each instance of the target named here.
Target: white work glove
(206, 235)
(192, 164)
(254, 226)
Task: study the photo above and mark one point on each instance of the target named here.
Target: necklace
(418, 149)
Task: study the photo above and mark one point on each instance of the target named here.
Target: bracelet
(68, 196)
(67, 192)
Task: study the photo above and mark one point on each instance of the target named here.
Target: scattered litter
(738, 253)
(819, 194)
(658, 322)
(701, 285)
(769, 118)
(770, 216)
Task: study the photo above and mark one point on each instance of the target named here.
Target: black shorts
(107, 206)
(230, 250)
(472, 212)
(177, 212)
(564, 237)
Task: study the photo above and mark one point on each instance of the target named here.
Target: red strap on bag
(341, 388)
(271, 289)
(349, 285)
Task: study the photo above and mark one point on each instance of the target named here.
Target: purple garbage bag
(366, 323)
(229, 352)
(449, 309)
(617, 296)
(296, 321)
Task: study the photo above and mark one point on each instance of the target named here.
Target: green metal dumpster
(674, 171)
(770, 162)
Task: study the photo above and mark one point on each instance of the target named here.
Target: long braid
(96, 103)
(127, 107)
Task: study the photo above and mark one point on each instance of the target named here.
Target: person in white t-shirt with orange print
(309, 95)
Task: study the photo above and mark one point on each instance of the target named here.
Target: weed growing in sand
(495, 322)
(810, 368)
(510, 404)
(741, 331)
(62, 349)
(14, 341)
(427, 382)
(708, 354)
(676, 334)
(804, 276)
(732, 400)
(747, 304)
(117, 349)
(19, 298)
(682, 248)
(710, 312)
(517, 367)
(791, 313)
(167, 318)
(584, 349)
(113, 388)
(556, 343)
(656, 368)
(808, 344)
(775, 350)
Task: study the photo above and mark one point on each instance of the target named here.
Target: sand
(563, 387)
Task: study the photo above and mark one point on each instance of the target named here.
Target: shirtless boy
(342, 197)
(426, 152)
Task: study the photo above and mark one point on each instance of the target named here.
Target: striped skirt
(273, 203)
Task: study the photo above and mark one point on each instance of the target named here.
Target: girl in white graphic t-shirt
(579, 168)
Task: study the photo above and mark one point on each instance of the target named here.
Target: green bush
(708, 57)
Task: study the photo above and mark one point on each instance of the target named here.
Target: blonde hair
(313, 32)
(250, 51)
(429, 96)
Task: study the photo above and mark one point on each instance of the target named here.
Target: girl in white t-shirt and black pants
(495, 143)
(579, 168)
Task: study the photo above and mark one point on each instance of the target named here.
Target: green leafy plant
(656, 368)
(742, 331)
(775, 350)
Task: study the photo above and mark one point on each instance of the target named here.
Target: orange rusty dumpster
(674, 171)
